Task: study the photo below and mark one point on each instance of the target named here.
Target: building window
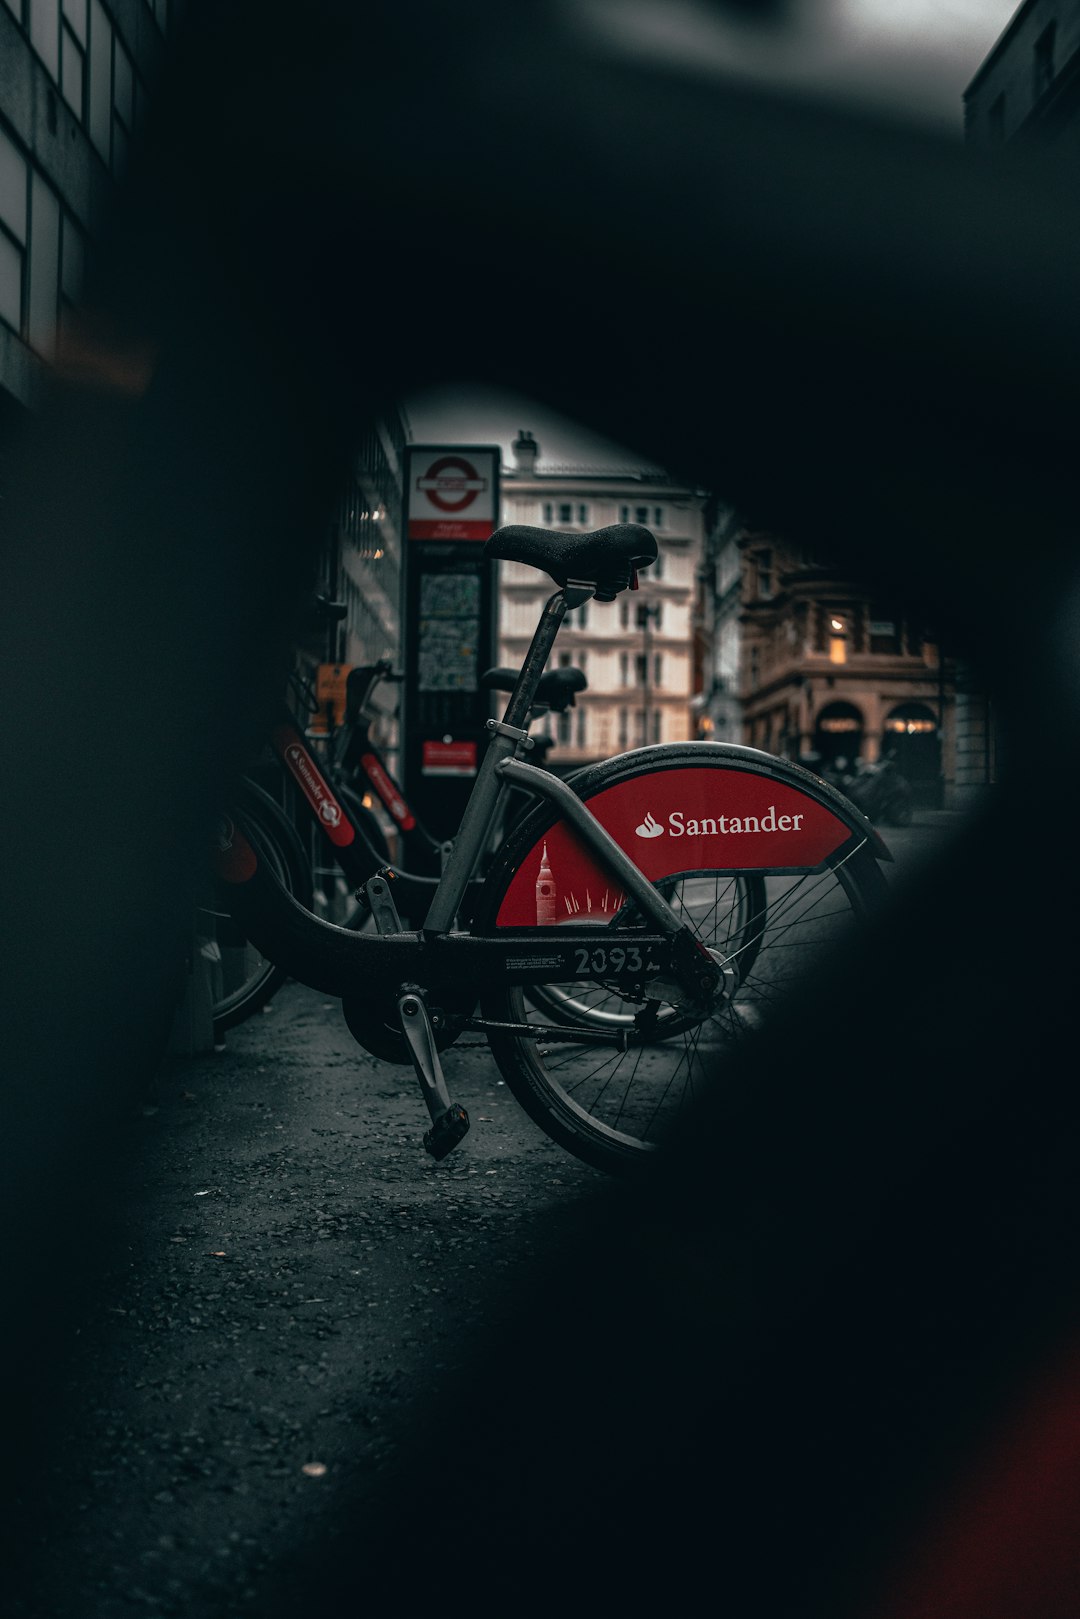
(996, 120)
(72, 258)
(657, 719)
(765, 575)
(838, 639)
(755, 668)
(624, 514)
(624, 614)
(656, 569)
(624, 668)
(549, 512)
(45, 33)
(579, 618)
(566, 512)
(658, 516)
(99, 121)
(123, 106)
(580, 727)
(658, 669)
(624, 727)
(564, 726)
(1044, 60)
(73, 54)
(641, 515)
(44, 266)
(884, 632)
(641, 669)
(12, 232)
(583, 514)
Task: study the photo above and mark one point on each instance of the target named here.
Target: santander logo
(680, 825)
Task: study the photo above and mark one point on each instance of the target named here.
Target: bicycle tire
(250, 980)
(613, 1109)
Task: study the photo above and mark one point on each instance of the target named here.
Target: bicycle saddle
(555, 691)
(609, 557)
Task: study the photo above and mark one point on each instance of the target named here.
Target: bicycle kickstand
(449, 1120)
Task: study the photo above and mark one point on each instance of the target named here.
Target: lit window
(837, 640)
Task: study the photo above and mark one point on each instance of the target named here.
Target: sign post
(451, 508)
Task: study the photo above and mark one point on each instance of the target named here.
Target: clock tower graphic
(548, 911)
(546, 915)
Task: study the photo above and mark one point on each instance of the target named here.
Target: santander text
(680, 826)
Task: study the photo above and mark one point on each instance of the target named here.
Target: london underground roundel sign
(451, 494)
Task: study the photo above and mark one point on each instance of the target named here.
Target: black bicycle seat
(608, 558)
(555, 691)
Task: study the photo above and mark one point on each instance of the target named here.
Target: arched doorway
(910, 736)
(838, 734)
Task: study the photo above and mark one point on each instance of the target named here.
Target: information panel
(451, 508)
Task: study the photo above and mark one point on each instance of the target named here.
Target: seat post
(488, 787)
(521, 698)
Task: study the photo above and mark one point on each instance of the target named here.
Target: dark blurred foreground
(772, 1373)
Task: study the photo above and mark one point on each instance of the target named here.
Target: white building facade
(637, 652)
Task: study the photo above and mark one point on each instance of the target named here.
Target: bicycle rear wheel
(245, 979)
(615, 1105)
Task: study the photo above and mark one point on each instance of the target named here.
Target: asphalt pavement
(290, 1276)
(289, 1283)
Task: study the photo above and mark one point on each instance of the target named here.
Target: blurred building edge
(1027, 89)
(640, 654)
(75, 80)
(1025, 93)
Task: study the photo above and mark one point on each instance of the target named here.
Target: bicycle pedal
(448, 1129)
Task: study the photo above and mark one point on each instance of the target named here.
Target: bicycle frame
(335, 959)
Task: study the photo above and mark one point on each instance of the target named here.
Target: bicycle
(661, 900)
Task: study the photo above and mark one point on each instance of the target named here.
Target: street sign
(451, 508)
(452, 494)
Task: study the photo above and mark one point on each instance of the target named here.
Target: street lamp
(648, 613)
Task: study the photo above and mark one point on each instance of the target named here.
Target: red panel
(388, 792)
(448, 759)
(313, 784)
(692, 819)
(449, 528)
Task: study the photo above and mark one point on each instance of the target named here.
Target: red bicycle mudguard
(735, 810)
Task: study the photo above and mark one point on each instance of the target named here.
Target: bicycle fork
(449, 1120)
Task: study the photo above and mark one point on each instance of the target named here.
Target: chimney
(525, 450)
